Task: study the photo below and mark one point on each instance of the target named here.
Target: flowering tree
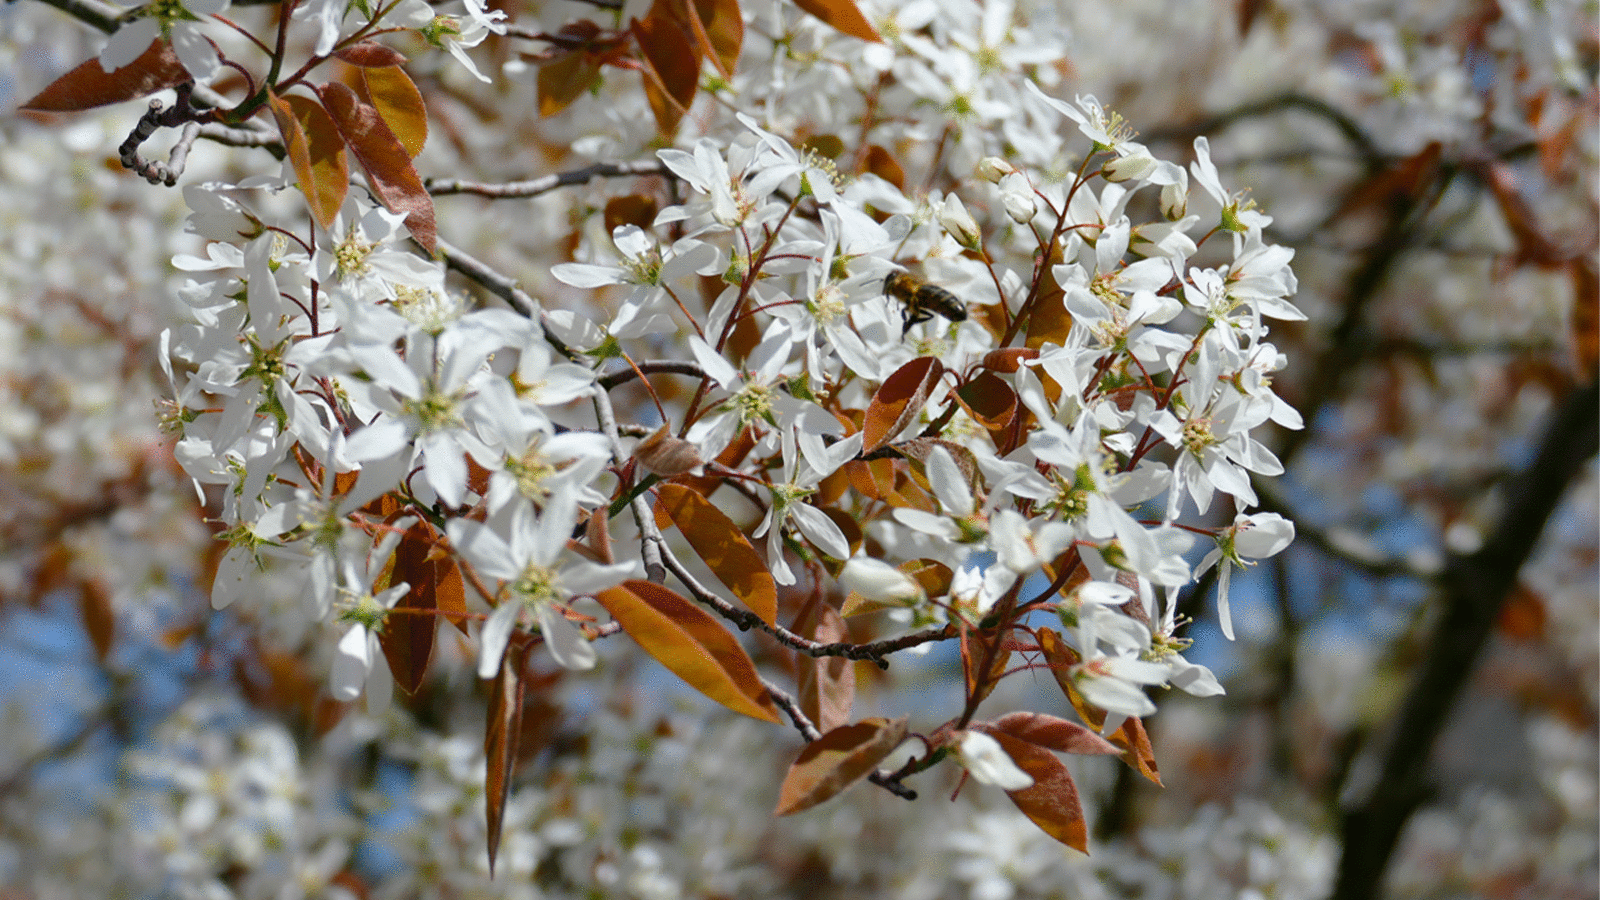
(801, 346)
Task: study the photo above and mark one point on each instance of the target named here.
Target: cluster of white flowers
(351, 361)
(1115, 362)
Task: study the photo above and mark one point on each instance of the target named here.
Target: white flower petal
(352, 661)
(564, 640)
(987, 761)
(494, 637)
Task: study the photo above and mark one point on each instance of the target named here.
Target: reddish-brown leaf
(272, 679)
(988, 400)
(859, 471)
(1061, 658)
(828, 145)
(389, 170)
(882, 163)
(837, 760)
(1052, 800)
(1008, 359)
(723, 547)
(842, 15)
(1136, 749)
(667, 455)
(827, 683)
(975, 646)
(723, 26)
(932, 576)
(899, 400)
(407, 638)
(633, 209)
(396, 98)
(1053, 733)
(730, 457)
(88, 85)
(1048, 319)
(98, 618)
(564, 79)
(692, 643)
(316, 150)
(918, 450)
(500, 744)
(371, 55)
(1585, 312)
(671, 67)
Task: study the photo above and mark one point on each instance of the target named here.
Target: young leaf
(564, 79)
(827, 683)
(693, 644)
(899, 400)
(396, 98)
(633, 209)
(1053, 733)
(988, 400)
(723, 26)
(882, 163)
(837, 760)
(666, 455)
(723, 547)
(316, 150)
(500, 744)
(1061, 658)
(407, 639)
(389, 171)
(371, 55)
(843, 15)
(1137, 751)
(981, 684)
(1052, 800)
(672, 69)
(88, 85)
(99, 620)
(1048, 319)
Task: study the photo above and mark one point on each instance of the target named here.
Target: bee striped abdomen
(922, 301)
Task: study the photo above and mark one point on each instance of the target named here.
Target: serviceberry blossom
(538, 578)
(996, 439)
(1250, 537)
(179, 22)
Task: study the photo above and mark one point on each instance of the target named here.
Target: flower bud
(1017, 195)
(880, 582)
(993, 168)
(959, 223)
(1128, 168)
(667, 456)
(1174, 202)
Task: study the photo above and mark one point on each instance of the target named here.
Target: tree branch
(537, 186)
(1475, 587)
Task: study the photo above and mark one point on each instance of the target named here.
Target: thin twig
(650, 367)
(534, 187)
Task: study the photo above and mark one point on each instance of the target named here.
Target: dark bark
(1474, 588)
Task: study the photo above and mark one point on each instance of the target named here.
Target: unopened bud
(880, 582)
(1017, 195)
(664, 455)
(1174, 201)
(959, 223)
(993, 168)
(1129, 168)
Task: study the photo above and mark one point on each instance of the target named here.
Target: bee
(922, 300)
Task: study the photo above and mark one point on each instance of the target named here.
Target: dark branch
(537, 186)
(1475, 588)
